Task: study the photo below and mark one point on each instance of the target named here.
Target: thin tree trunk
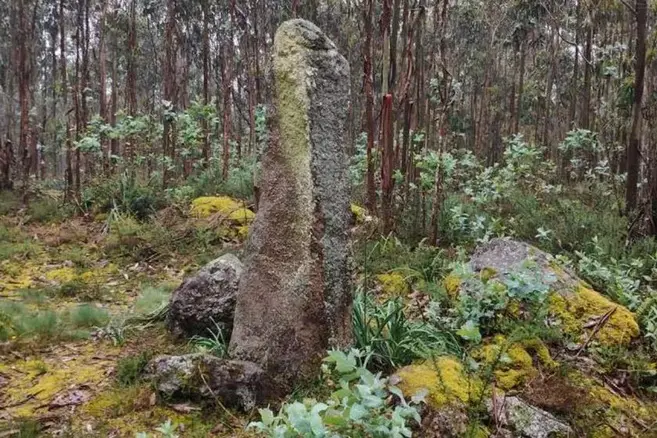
(368, 10)
(634, 145)
(102, 81)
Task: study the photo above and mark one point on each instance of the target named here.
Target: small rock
(529, 421)
(200, 376)
(206, 300)
(71, 398)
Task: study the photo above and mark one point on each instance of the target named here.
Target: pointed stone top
(305, 33)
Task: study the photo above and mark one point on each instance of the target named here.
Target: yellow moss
(113, 403)
(34, 383)
(206, 206)
(243, 232)
(586, 304)
(617, 406)
(360, 214)
(445, 380)
(393, 284)
(487, 273)
(541, 351)
(513, 365)
(452, 284)
(14, 276)
(61, 275)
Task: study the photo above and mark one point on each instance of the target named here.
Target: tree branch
(629, 6)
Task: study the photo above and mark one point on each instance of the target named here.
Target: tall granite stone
(294, 298)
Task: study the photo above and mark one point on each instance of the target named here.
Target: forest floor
(69, 365)
(82, 299)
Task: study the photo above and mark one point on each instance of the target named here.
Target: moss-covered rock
(513, 363)
(585, 305)
(576, 307)
(445, 381)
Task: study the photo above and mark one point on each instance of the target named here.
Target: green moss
(359, 213)
(452, 285)
(512, 364)
(585, 304)
(230, 208)
(445, 380)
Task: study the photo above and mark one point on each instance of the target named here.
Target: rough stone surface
(573, 304)
(528, 421)
(506, 256)
(206, 298)
(201, 376)
(294, 297)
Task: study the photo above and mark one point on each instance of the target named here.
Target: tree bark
(634, 145)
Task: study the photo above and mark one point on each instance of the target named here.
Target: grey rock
(294, 299)
(507, 256)
(206, 299)
(528, 421)
(201, 376)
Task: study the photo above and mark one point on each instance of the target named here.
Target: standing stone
(294, 298)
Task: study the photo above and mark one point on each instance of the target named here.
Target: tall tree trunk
(102, 81)
(64, 87)
(368, 11)
(521, 86)
(114, 142)
(585, 116)
(206, 82)
(634, 145)
(24, 73)
(169, 87)
(131, 78)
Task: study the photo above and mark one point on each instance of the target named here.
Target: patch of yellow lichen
(393, 284)
(359, 213)
(585, 305)
(452, 284)
(444, 379)
(230, 208)
(14, 277)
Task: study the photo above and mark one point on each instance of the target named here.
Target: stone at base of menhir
(234, 383)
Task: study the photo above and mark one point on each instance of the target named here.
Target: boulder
(573, 303)
(294, 299)
(528, 421)
(234, 383)
(206, 300)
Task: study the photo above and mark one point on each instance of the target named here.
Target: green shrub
(360, 407)
(129, 369)
(392, 338)
(88, 316)
(47, 210)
